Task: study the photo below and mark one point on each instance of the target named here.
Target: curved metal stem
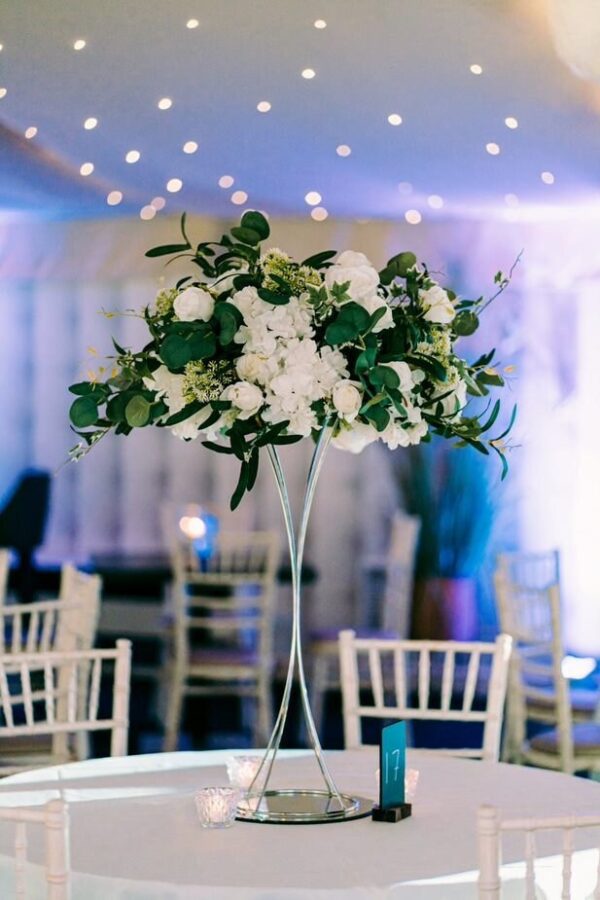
(296, 547)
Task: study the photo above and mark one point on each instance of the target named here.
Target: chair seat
(218, 656)
(330, 635)
(586, 739)
(583, 703)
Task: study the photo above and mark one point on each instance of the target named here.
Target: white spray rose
(347, 399)
(246, 397)
(374, 302)
(193, 304)
(437, 305)
(356, 438)
(169, 386)
(253, 367)
(356, 269)
(404, 373)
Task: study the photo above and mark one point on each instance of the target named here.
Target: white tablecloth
(135, 834)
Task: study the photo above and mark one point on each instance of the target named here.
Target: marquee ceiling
(517, 129)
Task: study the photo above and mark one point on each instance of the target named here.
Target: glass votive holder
(242, 770)
(217, 806)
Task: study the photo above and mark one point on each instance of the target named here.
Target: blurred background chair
(54, 817)
(490, 829)
(391, 618)
(57, 695)
(412, 668)
(222, 607)
(4, 571)
(538, 693)
(23, 526)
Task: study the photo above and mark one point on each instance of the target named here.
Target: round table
(135, 834)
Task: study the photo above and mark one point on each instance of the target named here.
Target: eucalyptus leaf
(83, 412)
(167, 249)
(255, 221)
(465, 323)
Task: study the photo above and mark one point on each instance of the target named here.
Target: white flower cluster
(281, 367)
(284, 373)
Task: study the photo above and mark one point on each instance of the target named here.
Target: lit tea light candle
(242, 770)
(216, 806)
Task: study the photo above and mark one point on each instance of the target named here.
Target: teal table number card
(392, 770)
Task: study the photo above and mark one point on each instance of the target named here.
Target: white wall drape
(56, 277)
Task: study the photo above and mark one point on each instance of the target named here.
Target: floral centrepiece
(255, 349)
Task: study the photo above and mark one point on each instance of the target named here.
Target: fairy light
(190, 147)
(511, 200)
(158, 203)
(476, 69)
(30, 132)
(3, 92)
(343, 150)
(174, 185)
(492, 148)
(226, 181)
(308, 74)
(394, 119)
(165, 103)
(320, 24)
(132, 156)
(511, 122)
(319, 213)
(435, 201)
(79, 44)
(90, 123)
(239, 197)
(413, 216)
(114, 198)
(264, 106)
(547, 177)
(147, 212)
(192, 23)
(313, 198)
(86, 169)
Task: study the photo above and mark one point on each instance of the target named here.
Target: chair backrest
(490, 828)
(68, 623)
(4, 570)
(58, 693)
(230, 593)
(538, 691)
(530, 570)
(399, 572)
(23, 518)
(54, 818)
(405, 676)
(85, 591)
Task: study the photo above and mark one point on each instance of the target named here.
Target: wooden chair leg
(173, 716)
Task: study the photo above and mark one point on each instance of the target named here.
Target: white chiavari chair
(491, 828)
(223, 625)
(538, 693)
(394, 614)
(4, 570)
(406, 678)
(54, 818)
(57, 695)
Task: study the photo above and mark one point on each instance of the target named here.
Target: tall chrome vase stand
(298, 805)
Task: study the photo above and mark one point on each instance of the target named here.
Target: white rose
(347, 399)
(351, 259)
(356, 438)
(193, 304)
(404, 373)
(253, 367)
(246, 397)
(363, 280)
(372, 304)
(453, 404)
(437, 304)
